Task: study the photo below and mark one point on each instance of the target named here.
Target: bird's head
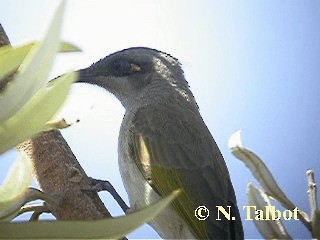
(139, 76)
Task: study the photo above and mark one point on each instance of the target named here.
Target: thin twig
(312, 192)
(37, 210)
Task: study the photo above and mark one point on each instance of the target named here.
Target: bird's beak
(84, 76)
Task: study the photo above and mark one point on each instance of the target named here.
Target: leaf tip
(235, 140)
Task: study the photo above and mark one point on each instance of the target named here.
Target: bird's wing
(175, 150)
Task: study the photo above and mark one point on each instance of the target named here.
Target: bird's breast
(167, 224)
(139, 191)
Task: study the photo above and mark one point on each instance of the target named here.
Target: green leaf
(34, 70)
(15, 185)
(12, 57)
(271, 229)
(38, 111)
(96, 229)
(68, 47)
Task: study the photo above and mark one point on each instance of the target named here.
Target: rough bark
(59, 174)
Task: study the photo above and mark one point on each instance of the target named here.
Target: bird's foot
(98, 185)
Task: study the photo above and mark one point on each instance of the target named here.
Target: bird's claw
(98, 185)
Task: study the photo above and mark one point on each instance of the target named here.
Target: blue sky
(250, 64)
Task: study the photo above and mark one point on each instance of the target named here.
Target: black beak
(83, 77)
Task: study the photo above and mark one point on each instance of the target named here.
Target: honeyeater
(165, 145)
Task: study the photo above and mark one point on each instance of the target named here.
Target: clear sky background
(250, 64)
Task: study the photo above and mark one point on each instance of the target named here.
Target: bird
(164, 145)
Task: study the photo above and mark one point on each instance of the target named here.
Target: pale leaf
(269, 229)
(95, 229)
(34, 70)
(14, 186)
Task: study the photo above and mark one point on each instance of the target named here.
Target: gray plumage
(164, 144)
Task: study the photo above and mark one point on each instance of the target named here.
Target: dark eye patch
(120, 68)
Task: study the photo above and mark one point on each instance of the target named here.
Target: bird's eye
(121, 68)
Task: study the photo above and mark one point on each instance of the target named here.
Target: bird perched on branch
(164, 144)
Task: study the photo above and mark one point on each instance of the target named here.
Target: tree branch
(59, 174)
(4, 41)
